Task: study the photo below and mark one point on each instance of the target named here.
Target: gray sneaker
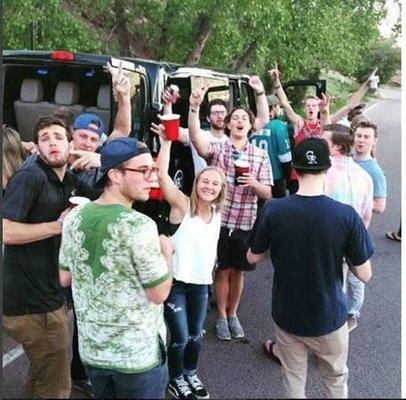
(352, 323)
(222, 331)
(235, 328)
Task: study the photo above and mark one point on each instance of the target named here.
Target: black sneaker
(197, 387)
(180, 389)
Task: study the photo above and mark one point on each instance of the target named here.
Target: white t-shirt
(195, 244)
(199, 162)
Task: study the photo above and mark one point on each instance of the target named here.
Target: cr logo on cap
(311, 157)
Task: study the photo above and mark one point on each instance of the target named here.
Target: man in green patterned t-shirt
(120, 274)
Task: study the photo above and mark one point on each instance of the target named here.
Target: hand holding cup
(242, 175)
(171, 124)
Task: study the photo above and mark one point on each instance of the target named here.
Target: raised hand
(197, 96)
(256, 83)
(274, 72)
(167, 96)
(121, 83)
(324, 103)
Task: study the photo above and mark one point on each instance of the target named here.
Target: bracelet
(277, 87)
(260, 93)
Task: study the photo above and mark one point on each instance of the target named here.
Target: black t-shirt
(308, 238)
(85, 181)
(31, 279)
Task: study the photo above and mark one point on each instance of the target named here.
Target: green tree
(303, 36)
(55, 27)
(384, 55)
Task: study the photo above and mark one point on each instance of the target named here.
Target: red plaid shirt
(240, 208)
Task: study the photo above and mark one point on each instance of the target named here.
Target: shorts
(232, 250)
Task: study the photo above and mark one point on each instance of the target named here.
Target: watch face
(178, 179)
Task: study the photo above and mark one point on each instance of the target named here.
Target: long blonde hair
(218, 202)
(13, 152)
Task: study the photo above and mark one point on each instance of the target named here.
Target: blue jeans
(108, 384)
(355, 295)
(185, 312)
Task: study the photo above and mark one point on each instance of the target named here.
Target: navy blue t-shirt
(308, 238)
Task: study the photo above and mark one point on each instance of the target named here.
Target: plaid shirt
(348, 183)
(240, 209)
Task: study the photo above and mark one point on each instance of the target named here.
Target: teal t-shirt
(274, 139)
(378, 176)
(113, 254)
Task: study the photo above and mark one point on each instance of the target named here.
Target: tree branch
(204, 30)
(242, 61)
(123, 39)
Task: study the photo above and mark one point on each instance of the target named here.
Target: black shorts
(232, 250)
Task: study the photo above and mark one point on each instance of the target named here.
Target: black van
(38, 83)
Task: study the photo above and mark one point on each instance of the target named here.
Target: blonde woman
(13, 153)
(195, 243)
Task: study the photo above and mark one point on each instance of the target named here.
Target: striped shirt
(348, 183)
(240, 208)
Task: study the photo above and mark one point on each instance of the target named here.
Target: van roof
(46, 55)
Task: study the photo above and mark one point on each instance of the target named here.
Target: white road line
(12, 355)
(371, 107)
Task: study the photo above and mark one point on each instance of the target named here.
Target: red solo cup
(241, 167)
(77, 200)
(156, 193)
(171, 124)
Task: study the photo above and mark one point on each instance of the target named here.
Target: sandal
(268, 348)
(393, 236)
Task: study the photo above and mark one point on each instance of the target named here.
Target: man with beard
(89, 134)
(34, 311)
(216, 113)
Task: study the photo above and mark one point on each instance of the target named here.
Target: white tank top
(195, 245)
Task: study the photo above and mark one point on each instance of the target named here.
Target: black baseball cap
(311, 154)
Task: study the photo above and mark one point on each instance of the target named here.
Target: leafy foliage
(384, 55)
(53, 27)
(302, 36)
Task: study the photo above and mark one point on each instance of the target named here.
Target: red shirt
(307, 130)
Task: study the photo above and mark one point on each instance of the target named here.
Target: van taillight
(62, 55)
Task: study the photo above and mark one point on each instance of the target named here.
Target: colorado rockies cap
(311, 154)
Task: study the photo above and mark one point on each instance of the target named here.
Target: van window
(39, 89)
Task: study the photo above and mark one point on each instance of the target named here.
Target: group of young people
(129, 283)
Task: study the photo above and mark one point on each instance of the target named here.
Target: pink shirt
(348, 183)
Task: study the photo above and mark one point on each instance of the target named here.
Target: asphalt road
(240, 369)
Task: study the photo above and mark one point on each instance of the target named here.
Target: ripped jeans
(185, 312)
